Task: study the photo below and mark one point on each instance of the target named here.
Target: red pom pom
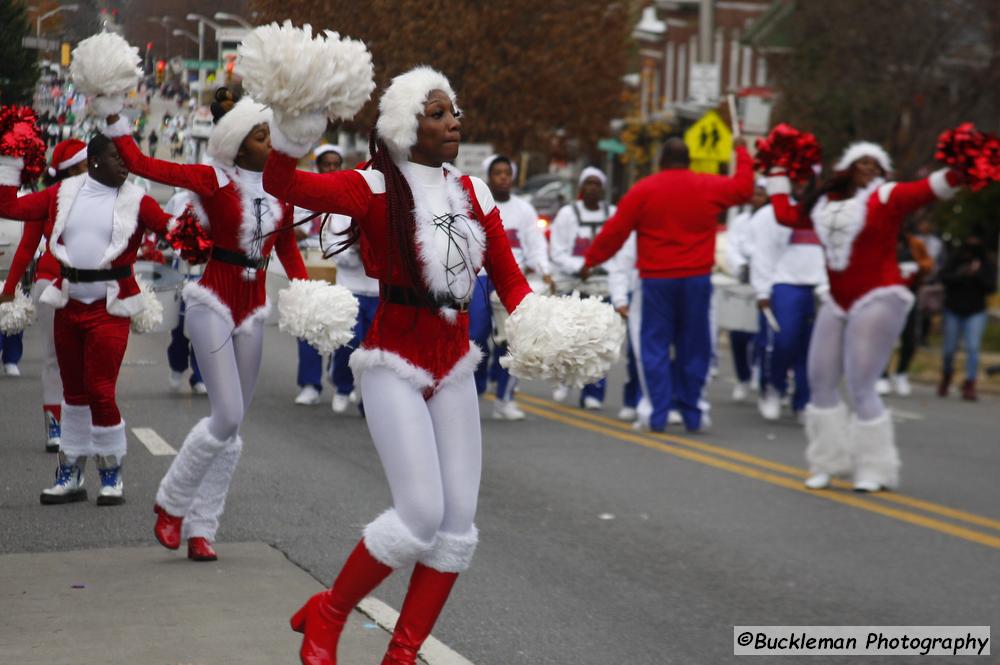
(190, 238)
(148, 251)
(974, 154)
(19, 138)
(789, 149)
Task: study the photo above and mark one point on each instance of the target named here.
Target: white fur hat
(328, 147)
(488, 164)
(228, 134)
(402, 102)
(593, 172)
(856, 151)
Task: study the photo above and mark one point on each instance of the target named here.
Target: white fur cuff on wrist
(282, 143)
(121, 127)
(778, 184)
(940, 186)
(10, 170)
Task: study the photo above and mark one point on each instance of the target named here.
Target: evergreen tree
(18, 65)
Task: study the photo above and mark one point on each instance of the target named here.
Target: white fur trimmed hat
(402, 102)
(228, 134)
(856, 151)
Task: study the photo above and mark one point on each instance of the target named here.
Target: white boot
(828, 452)
(901, 384)
(308, 396)
(877, 462)
(68, 487)
(109, 447)
(340, 403)
(769, 404)
(741, 391)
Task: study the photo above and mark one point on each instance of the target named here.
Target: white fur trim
(196, 294)
(180, 486)
(391, 542)
(76, 440)
(68, 189)
(121, 127)
(228, 134)
(281, 142)
(856, 151)
(76, 158)
(829, 439)
(110, 440)
(123, 307)
(10, 171)
(17, 314)
(125, 221)
(248, 223)
(202, 520)
(876, 457)
(363, 359)
(777, 184)
(321, 313)
(402, 102)
(462, 369)
(54, 296)
(436, 247)
(259, 315)
(452, 553)
(105, 64)
(838, 223)
(940, 186)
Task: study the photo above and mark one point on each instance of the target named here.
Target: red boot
(199, 549)
(322, 618)
(424, 601)
(168, 528)
(969, 391)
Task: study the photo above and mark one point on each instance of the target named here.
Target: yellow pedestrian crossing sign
(709, 142)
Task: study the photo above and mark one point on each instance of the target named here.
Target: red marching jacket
(237, 293)
(135, 215)
(421, 344)
(48, 267)
(859, 234)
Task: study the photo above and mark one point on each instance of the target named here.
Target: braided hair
(222, 103)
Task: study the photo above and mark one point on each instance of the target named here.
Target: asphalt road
(598, 544)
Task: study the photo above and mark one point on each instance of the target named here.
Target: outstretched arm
(342, 192)
(33, 207)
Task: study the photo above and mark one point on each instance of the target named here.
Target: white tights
(197, 482)
(431, 451)
(857, 349)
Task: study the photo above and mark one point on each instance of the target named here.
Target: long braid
(399, 199)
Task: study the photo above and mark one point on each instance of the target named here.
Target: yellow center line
(890, 497)
(758, 474)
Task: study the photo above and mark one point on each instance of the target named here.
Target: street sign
(709, 142)
(612, 146)
(207, 65)
(471, 157)
(703, 85)
(40, 43)
(233, 34)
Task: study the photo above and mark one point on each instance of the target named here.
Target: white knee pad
(391, 542)
(876, 456)
(829, 449)
(451, 553)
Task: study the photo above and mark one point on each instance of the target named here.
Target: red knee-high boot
(424, 601)
(322, 618)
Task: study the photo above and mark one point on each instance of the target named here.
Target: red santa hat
(66, 154)
(402, 102)
(856, 151)
(228, 134)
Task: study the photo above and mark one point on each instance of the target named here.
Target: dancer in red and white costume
(225, 309)
(69, 158)
(857, 216)
(94, 224)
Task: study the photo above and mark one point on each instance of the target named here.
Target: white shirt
(779, 259)
(569, 239)
(739, 242)
(527, 242)
(350, 271)
(88, 234)
(623, 275)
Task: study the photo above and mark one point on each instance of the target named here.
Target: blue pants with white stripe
(794, 308)
(180, 353)
(675, 346)
(340, 372)
(481, 328)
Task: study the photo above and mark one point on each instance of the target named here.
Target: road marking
(433, 652)
(890, 497)
(900, 415)
(854, 500)
(154, 442)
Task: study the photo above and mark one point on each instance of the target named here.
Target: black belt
(82, 276)
(237, 259)
(401, 295)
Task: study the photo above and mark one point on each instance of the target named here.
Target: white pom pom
(563, 339)
(293, 72)
(105, 65)
(320, 313)
(151, 316)
(17, 314)
(105, 105)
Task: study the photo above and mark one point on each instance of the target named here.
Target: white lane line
(434, 652)
(154, 442)
(902, 416)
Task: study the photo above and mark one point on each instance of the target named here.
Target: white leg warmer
(202, 519)
(110, 441)
(391, 542)
(77, 438)
(452, 553)
(829, 449)
(179, 487)
(876, 457)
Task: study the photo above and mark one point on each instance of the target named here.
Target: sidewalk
(145, 606)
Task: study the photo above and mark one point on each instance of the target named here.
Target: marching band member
(857, 216)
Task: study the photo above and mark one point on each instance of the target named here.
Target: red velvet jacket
(47, 268)
(859, 235)
(420, 344)
(237, 294)
(135, 214)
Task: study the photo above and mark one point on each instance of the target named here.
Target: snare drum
(735, 305)
(166, 284)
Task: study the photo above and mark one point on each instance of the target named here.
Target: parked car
(547, 192)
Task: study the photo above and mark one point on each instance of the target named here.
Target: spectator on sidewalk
(968, 276)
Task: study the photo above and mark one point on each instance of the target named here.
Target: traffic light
(230, 65)
(161, 70)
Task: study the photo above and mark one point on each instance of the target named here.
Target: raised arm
(786, 211)
(33, 207)
(738, 189)
(904, 198)
(198, 178)
(342, 192)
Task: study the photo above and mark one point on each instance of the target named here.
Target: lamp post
(42, 17)
(225, 16)
(202, 20)
(164, 22)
